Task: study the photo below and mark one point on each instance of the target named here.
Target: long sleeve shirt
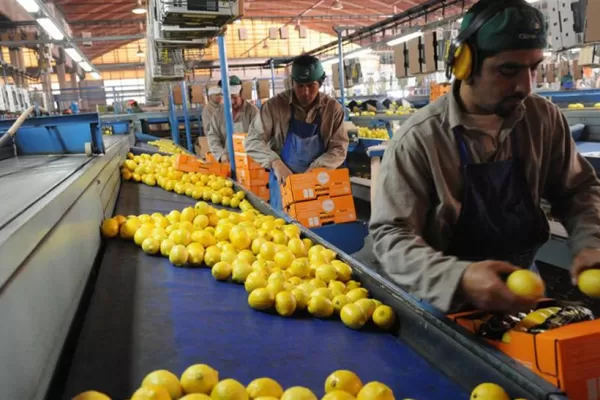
(217, 134)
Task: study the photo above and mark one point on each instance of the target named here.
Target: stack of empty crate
(319, 197)
(249, 173)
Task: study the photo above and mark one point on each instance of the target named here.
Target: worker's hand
(586, 259)
(281, 170)
(484, 288)
(224, 158)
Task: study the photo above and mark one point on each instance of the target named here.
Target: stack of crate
(249, 173)
(187, 163)
(319, 197)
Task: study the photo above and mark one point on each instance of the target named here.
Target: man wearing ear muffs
(457, 202)
(299, 129)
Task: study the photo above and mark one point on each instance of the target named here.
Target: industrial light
(405, 38)
(139, 9)
(532, 1)
(358, 53)
(460, 20)
(86, 66)
(237, 21)
(74, 54)
(337, 5)
(31, 6)
(51, 28)
(329, 61)
(547, 53)
(140, 53)
(95, 75)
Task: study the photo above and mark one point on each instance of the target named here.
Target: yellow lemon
(266, 398)
(255, 281)
(174, 216)
(352, 285)
(129, 228)
(141, 234)
(195, 396)
(328, 255)
(344, 380)
(188, 214)
(307, 243)
(91, 395)
(279, 237)
(353, 316)
(344, 271)
(267, 251)
(301, 298)
(326, 273)
(525, 283)
(384, 317)
(178, 256)
(120, 219)
(300, 267)
(339, 302)
(166, 246)
(375, 391)
(368, 306)
(320, 306)
(181, 236)
(298, 393)
(264, 387)
(205, 238)
(318, 283)
(323, 291)
(260, 299)
(150, 245)
(199, 378)
(316, 249)
(212, 255)
(356, 294)
(151, 392)
(285, 303)
(240, 270)
(165, 379)
(589, 282)
(201, 221)
(275, 286)
(110, 228)
(229, 389)
(247, 256)
(195, 254)
(337, 287)
(339, 395)
(307, 287)
(221, 271)
(283, 259)
(240, 240)
(489, 391)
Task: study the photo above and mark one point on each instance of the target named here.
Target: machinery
(199, 12)
(3, 99)
(13, 99)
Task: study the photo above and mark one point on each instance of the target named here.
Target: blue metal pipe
(186, 117)
(173, 118)
(273, 76)
(226, 101)
(341, 72)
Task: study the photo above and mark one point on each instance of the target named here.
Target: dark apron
(498, 219)
(302, 146)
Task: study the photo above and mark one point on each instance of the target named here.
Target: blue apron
(498, 219)
(302, 146)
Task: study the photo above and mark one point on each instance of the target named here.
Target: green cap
(306, 69)
(233, 81)
(520, 27)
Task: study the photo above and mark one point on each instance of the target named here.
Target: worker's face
(216, 98)
(306, 93)
(505, 80)
(236, 101)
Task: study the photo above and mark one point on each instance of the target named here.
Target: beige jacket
(217, 134)
(419, 189)
(267, 134)
(207, 113)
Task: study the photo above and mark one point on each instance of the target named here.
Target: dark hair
(305, 60)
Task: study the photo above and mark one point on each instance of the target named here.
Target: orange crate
(244, 161)
(324, 210)
(238, 142)
(316, 183)
(253, 177)
(187, 163)
(565, 356)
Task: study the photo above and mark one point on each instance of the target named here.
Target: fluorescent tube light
(31, 6)
(358, 53)
(86, 66)
(74, 54)
(51, 28)
(405, 38)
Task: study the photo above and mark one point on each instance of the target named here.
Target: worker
(215, 97)
(298, 130)
(457, 200)
(243, 112)
(134, 107)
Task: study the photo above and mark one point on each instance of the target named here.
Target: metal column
(226, 102)
(341, 72)
(173, 118)
(186, 116)
(273, 76)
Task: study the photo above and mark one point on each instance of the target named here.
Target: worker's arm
(337, 147)
(572, 188)
(215, 137)
(261, 131)
(402, 204)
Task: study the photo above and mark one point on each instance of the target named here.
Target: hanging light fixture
(140, 53)
(139, 9)
(337, 5)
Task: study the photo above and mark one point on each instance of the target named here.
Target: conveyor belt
(146, 314)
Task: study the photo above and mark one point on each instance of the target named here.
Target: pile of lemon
(375, 133)
(279, 270)
(167, 146)
(201, 382)
(158, 170)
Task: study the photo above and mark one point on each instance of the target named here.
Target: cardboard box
(198, 94)
(414, 56)
(565, 357)
(400, 60)
(324, 210)
(187, 163)
(238, 142)
(316, 183)
(264, 88)
(592, 28)
(260, 191)
(247, 92)
(430, 52)
(253, 177)
(243, 160)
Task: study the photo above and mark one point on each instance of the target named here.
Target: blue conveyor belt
(146, 314)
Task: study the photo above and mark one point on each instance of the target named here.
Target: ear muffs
(464, 62)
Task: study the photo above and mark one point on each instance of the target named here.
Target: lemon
(264, 387)
(199, 378)
(129, 228)
(368, 306)
(320, 306)
(489, 391)
(316, 249)
(384, 317)
(196, 396)
(318, 283)
(356, 294)
(255, 281)
(326, 273)
(260, 299)
(589, 282)
(353, 316)
(285, 303)
(352, 285)
(267, 251)
(205, 238)
(174, 216)
(91, 395)
(300, 267)
(337, 288)
(240, 270)
(229, 389)
(323, 291)
(375, 391)
(240, 240)
(141, 234)
(201, 221)
(338, 395)
(297, 247)
(188, 214)
(110, 228)
(344, 271)
(195, 254)
(301, 298)
(283, 259)
(275, 286)
(525, 283)
(151, 392)
(267, 398)
(298, 393)
(150, 245)
(221, 270)
(178, 256)
(247, 256)
(344, 380)
(181, 236)
(307, 243)
(165, 379)
(307, 287)
(339, 302)
(166, 246)
(120, 219)
(212, 255)
(126, 174)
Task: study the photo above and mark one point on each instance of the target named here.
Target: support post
(186, 116)
(341, 72)
(273, 76)
(173, 118)
(226, 102)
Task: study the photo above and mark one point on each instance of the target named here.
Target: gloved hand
(224, 158)
(281, 171)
